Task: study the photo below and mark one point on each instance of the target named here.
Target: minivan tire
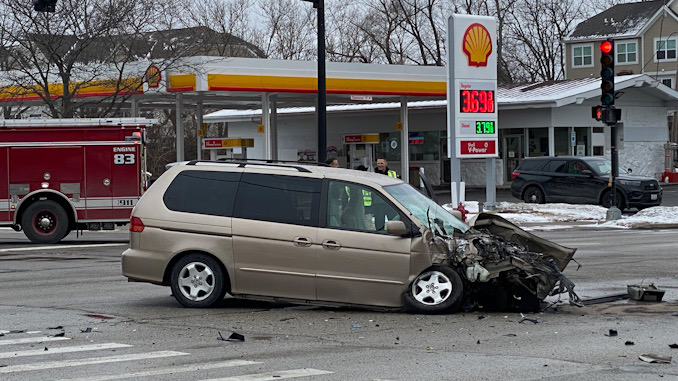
(534, 195)
(197, 280)
(438, 289)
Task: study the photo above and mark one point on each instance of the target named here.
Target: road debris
(656, 359)
(612, 333)
(650, 293)
(234, 337)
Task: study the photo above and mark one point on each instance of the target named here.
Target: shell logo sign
(477, 45)
(153, 76)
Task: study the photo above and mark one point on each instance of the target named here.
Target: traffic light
(44, 5)
(607, 72)
(597, 113)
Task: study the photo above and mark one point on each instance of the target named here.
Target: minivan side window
(203, 192)
(277, 198)
(355, 207)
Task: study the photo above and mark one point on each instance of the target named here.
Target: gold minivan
(320, 235)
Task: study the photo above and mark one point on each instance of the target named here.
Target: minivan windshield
(421, 206)
(601, 166)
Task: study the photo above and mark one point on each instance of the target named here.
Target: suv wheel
(606, 200)
(438, 289)
(197, 280)
(534, 195)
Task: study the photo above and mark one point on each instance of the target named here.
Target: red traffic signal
(606, 47)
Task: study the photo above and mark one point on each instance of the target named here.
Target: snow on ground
(557, 216)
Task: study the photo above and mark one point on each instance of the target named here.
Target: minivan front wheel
(606, 200)
(534, 195)
(438, 289)
(197, 280)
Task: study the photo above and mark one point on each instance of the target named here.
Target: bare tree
(83, 45)
(534, 36)
(290, 27)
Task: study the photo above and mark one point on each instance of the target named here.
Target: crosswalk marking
(32, 340)
(168, 370)
(271, 376)
(89, 361)
(53, 351)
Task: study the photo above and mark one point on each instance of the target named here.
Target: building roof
(626, 20)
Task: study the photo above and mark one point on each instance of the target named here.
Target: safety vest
(367, 198)
(392, 173)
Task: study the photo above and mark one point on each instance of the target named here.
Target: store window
(538, 142)
(423, 146)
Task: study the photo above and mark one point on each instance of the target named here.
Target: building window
(665, 49)
(627, 53)
(582, 55)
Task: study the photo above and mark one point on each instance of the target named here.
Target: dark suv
(581, 180)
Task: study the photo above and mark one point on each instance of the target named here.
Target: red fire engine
(59, 175)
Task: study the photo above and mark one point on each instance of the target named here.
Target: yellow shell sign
(153, 76)
(477, 45)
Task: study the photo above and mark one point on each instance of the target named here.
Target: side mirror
(587, 172)
(629, 170)
(397, 228)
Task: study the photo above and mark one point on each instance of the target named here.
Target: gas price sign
(473, 101)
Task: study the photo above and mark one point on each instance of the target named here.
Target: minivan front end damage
(502, 265)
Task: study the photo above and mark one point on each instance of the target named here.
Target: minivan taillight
(514, 174)
(135, 225)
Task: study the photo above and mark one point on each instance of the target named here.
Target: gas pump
(360, 149)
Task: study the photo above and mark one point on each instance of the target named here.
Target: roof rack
(261, 162)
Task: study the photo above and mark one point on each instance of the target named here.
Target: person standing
(382, 167)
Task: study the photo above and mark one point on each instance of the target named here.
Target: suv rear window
(203, 192)
(276, 198)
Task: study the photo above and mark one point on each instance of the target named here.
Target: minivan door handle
(331, 244)
(302, 241)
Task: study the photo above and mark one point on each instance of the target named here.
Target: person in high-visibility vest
(382, 167)
(367, 195)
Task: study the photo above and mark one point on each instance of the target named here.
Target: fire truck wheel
(197, 280)
(45, 222)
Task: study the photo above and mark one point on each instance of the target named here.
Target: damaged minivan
(335, 237)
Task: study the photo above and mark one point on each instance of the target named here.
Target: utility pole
(322, 94)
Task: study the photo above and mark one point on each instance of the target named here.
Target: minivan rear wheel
(197, 280)
(534, 195)
(436, 290)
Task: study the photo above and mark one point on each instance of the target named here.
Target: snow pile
(540, 216)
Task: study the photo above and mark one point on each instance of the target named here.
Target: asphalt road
(113, 329)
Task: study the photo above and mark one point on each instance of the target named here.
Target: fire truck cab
(59, 175)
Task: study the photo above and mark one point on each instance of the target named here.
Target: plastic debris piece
(656, 359)
(356, 325)
(86, 330)
(234, 337)
(481, 317)
(511, 335)
(629, 343)
(612, 333)
(674, 346)
(57, 327)
(60, 334)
